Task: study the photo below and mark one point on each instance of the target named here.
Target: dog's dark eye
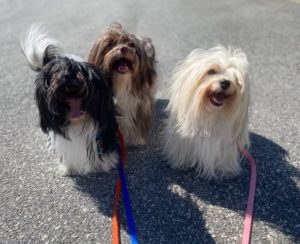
(131, 44)
(211, 72)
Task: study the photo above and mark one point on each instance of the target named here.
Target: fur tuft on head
(38, 47)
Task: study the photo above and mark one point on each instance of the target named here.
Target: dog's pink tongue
(219, 98)
(75, 106)
(122, 67)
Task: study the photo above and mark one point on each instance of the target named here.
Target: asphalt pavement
(37, 205)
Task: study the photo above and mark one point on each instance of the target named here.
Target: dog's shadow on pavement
(169, 205)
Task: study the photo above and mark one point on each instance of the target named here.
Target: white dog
(209, 100)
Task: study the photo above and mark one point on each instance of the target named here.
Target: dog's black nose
(225, 84)
(72, 88)
(124, 50)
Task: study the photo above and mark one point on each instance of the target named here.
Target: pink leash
(251, 196)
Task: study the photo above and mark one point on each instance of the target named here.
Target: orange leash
(115, 220)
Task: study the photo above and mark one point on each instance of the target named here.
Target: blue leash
(131, 225)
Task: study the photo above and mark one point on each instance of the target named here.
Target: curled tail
(38, 47)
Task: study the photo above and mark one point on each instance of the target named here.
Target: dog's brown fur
(134, 89)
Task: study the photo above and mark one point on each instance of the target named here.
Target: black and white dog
(75, 104)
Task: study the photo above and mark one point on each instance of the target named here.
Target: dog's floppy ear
(97, 53)
(148, 47)
(107, 119)
(103, 111)
(147, 63)
(42, 104)
(95, 56)
(49, 120)
(241, 62)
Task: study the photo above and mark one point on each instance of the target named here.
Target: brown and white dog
(129, 63)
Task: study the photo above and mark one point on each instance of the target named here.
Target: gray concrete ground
(37, 205)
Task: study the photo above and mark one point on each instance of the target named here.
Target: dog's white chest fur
(127, 104)
(78, 155)
(213, 153)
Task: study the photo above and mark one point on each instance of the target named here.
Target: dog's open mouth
(218, 98)
(122, 65)
(75, 105)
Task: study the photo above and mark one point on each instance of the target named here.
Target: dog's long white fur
(34, 44)
(79, 154)
(198, 134)
(128, 103)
